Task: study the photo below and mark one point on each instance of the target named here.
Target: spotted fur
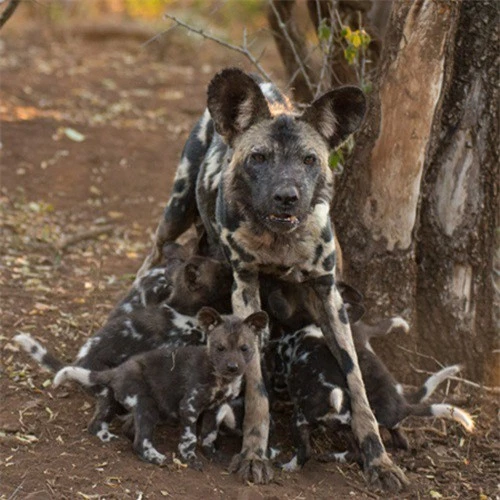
(263, 192)
(317, 387)
(176, 384)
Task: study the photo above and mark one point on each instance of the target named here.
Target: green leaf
(324, 31)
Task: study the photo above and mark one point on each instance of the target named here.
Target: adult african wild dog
(255, 171)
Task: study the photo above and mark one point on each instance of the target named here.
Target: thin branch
(236, 48)
(85, 235)
(153, 39)
(298, 60)
(9, 10)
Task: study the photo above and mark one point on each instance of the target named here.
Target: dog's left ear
(257, 321)
(192, 274)
(235, 102)
(208, 318)
(337, 114)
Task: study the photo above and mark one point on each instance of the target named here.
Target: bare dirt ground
(131, 114)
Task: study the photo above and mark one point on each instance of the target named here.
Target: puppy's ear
(279, 306)
(257, 321)
(354, 311)
(337, 114)
(208, 318)
(349, 293)
(192, 274)
(235, 102)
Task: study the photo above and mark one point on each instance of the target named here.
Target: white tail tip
(453, 413)
(336, 399)
(76, 373)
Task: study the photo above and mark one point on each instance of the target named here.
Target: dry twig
(236, 48)
(85, 235)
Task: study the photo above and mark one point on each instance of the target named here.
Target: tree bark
(456, 239)
(416, 208)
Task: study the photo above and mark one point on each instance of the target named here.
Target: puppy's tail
(443, 411)
(431, 384)
(83, 376)
(336, 399)
(36, 350)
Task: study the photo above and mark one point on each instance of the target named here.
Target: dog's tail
(431, 384)
(442, 411)
(336, 399)
(83, 376)
(41, 355)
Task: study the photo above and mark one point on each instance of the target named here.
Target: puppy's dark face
(232, 342)
(198, 281)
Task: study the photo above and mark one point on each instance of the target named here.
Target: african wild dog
(143, 322)
(318, 390)
(255, 170)
(179, 384)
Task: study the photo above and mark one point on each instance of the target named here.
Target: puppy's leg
(181, 210)
(252, 463)
(189, 411)
(210, 427)
(334, 324)
(302, 441)
(146, 416)
(105, 411)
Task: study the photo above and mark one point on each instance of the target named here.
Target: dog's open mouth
(285, 219)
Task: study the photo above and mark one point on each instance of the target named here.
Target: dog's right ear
(208, 318)
(235, 102)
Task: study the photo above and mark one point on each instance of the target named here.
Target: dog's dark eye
(258, 157)
(221, 348)
(244, 348)
(309, 160)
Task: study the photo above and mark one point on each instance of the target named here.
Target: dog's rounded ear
(208, 318)
(257, 321)
(354, 311)
(349, 293)
(192, 275)
(337, 114)
(235, 102)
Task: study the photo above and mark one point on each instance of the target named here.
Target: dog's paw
(386, 475)
(149, 453)
(290, 466)
(252, 468)
(195, 464)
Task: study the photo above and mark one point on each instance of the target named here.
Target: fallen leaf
(73, 134)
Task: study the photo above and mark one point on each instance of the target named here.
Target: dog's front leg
(252, 463)
(334, 324)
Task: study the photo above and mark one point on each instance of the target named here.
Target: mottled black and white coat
(317, 387)
(180, 384)
(159, 310)
(255, 170)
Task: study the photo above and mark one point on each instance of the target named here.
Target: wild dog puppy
(255, 170)
(180, 384)
(193, 283)
(318, 389)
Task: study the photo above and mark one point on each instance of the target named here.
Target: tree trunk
(456, 239)
(416, 209)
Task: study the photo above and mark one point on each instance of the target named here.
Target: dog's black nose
(232, 367)
(286, 196)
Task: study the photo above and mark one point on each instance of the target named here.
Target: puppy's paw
(291, 466)
(250, 467)
(149, 453)
(195, 463)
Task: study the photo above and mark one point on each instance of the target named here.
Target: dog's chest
(225, 392)
(296, 257)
